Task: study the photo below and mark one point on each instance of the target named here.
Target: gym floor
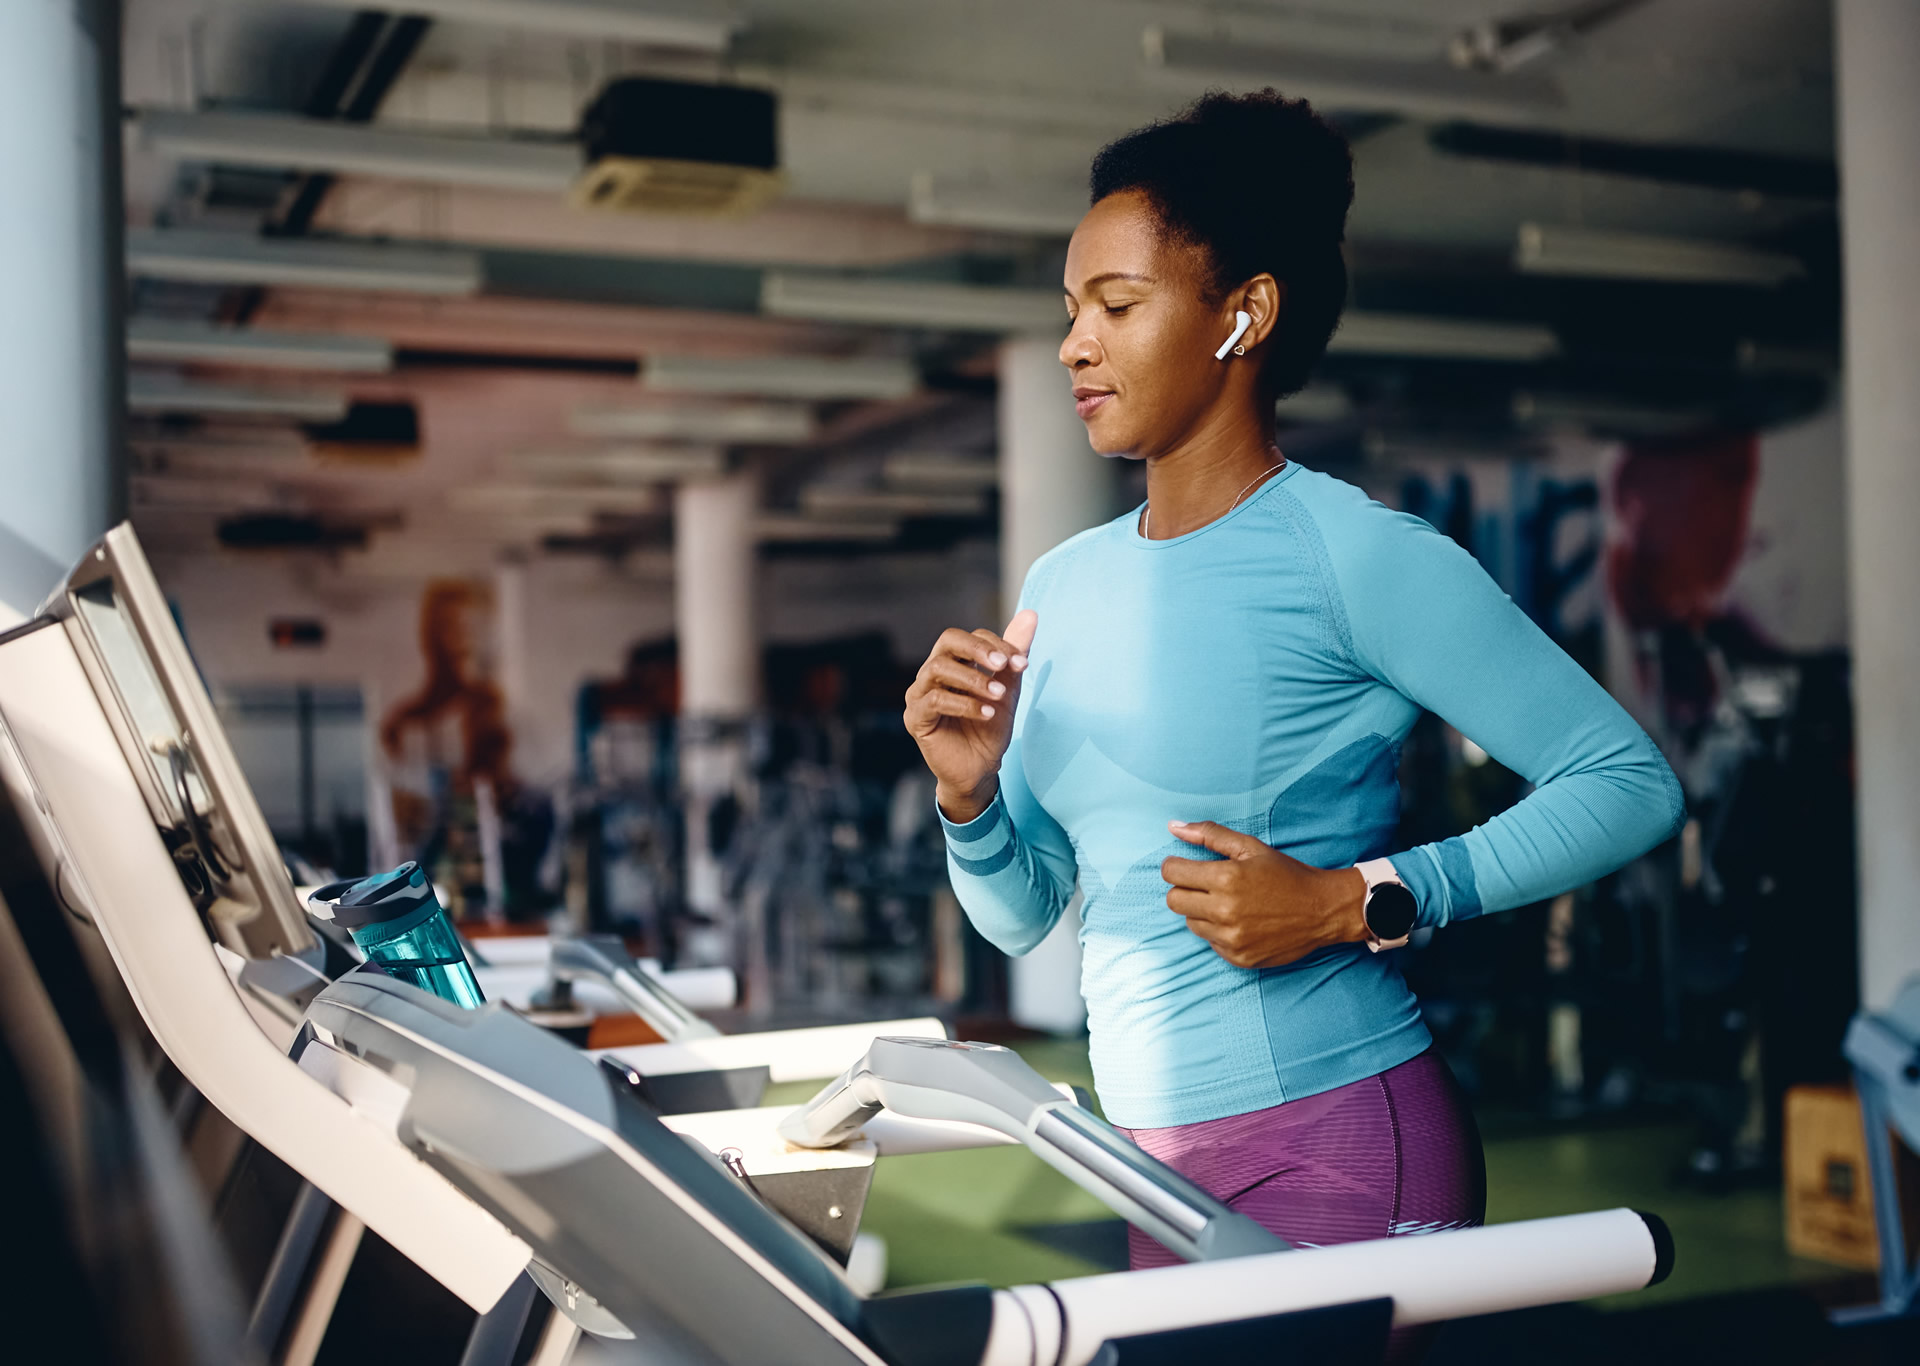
(1736, 1294)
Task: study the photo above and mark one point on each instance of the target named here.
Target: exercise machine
(497, 1157)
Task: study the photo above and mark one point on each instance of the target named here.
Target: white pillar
(714, 621)
(61, 352)
(1052, 485)
(1877, 51)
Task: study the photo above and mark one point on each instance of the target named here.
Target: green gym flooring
(999, 1215)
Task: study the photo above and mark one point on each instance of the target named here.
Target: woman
(1197, 713)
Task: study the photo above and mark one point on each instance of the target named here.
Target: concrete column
(714, 619)
(62, 382)
(1052, 486)
(1877, 51)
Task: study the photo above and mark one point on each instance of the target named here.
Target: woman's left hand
(1258, 907)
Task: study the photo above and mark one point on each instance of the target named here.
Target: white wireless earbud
(1242, 320)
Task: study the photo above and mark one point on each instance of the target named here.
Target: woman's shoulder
(1072, 554)
(1350, 521)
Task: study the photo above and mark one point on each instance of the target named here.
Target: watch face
(1391, 911)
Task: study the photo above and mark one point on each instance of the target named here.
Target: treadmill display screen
(222, 848)
(149, 710)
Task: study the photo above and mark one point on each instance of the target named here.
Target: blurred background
(562, 427)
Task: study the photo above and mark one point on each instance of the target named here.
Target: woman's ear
(1263, 297)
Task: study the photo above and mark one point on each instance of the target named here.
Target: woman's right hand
(960, 711)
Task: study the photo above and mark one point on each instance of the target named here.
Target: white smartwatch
(1390, 909)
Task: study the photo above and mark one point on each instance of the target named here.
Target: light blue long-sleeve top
(1262, 672)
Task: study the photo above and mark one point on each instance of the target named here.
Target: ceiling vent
(370, 433)
(656, 146)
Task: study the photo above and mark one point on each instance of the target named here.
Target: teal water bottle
(398, 923)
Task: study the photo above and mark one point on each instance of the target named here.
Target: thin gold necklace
(1146, 519)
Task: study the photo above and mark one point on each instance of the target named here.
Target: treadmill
(491, 1153)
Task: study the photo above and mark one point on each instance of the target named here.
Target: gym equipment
(482, 1147)
(1885, 1053)
(989, 1085)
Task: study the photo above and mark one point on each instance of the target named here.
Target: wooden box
(1829, 1193)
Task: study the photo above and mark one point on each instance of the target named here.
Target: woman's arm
(1012, 866)
(1424, 618)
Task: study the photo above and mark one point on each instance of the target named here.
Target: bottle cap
(354, 903)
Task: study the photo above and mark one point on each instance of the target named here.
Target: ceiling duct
(163, 394)
(236, 258)
(1551, 250)
(772, 424)
(187, 341)
(655, 146)
(817, 378)
(1349, 82)
(685, 25)
(369, 433)
(1408, 334)
(911, 303)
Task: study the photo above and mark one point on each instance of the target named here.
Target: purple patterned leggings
(1391, 1154)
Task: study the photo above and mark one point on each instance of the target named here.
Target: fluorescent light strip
(1551, 410)
(648, 464)
(801, 377)
(1408, 334)
(212, 495)
(911, 303)
(1316, 403)
(1050, 210)
(738, 423)
(831, 501)
(284, 141)
(173, 339)
(790, 528)
(233, 258)
(686, 24)
(1552, 250)
(1329, 78)
(147, 394)
(523, 501)
(933, 472)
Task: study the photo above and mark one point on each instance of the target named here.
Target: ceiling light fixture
(233, 258)
(187, 341)
(634, 464)
(1049, 210)
(731, 423)
(911, 303)
(794, 528)
(801, 377)
(1408, 334)
(520, 501)
(1550, 250)
(1329, 78)
(284, 141)
(155, 394)
(834, 501)
(935, 472)
(692, 25)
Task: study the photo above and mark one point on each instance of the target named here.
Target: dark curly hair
(1259, 183)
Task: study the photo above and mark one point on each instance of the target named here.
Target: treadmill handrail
(603, 958)
(990, 1085)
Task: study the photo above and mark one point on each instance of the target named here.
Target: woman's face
(1141, 348)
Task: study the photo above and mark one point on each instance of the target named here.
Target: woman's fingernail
(997, 660)
(997, 689)
(1019, 661)
(986, 711)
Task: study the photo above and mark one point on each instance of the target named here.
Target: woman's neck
(1200, 479)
